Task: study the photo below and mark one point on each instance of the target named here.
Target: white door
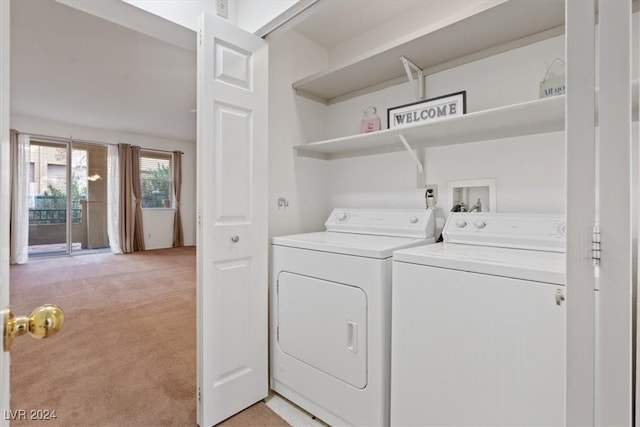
(614, 364)
(232, 239)
(4, 196)
(599, 328)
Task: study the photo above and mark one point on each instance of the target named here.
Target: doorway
(67, 198)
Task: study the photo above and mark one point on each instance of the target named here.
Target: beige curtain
(178, 238)
(130, 212)
(138, 233)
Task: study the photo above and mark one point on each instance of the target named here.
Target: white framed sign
(429, 110)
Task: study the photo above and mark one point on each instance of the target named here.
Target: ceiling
(73, 67)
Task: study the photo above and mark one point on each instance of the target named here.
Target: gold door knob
(43, 322)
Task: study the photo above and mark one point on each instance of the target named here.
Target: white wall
(503, 79)
(183, 13)
(254, 14)
(158, 224)
(529, 174)
(302, 181)
(529, 171)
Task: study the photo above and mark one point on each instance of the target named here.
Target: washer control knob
(461, 223)
(480, 224)
(341, 217)
(413, 220)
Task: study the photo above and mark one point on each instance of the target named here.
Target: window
(56, 179)
(156, 179)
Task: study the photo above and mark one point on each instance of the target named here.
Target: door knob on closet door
(43, 322)
(235, 239)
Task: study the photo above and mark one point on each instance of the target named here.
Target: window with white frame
(156, 179)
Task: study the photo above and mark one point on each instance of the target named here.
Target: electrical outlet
(222, 8)
(433, 189)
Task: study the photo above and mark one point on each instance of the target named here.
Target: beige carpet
(126, 354)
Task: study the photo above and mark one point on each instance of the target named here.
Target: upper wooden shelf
(477, 32)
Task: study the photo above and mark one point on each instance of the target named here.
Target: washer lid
(364, 245)
(538, 266)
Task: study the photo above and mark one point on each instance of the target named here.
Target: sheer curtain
(178, 238)
(113, 199)
(19, 234)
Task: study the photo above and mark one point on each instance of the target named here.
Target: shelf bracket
(410, 65)
(411, 153)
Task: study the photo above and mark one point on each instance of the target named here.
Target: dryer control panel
(416, 223)
(545, 232)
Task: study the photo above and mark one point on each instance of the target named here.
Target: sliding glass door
(89, 188)
(67, 198)
(48, 190)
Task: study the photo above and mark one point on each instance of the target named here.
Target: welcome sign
(430, 110)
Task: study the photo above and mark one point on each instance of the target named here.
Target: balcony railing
(53, 210)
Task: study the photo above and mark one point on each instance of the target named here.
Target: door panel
(236, 360)
(233, 189)
(233, 65)
(324, 324)
(232, 225)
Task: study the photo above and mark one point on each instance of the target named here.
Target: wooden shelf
(527, 118)
(474, 33)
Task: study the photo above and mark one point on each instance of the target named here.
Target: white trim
(290, 17)
(136, 19)
(4, 194)
(291, 413)
(635, 212)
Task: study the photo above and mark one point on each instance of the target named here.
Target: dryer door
(324, 324)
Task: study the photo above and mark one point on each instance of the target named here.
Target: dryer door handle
(352, 336)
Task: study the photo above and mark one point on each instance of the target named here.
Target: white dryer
(330, 312)
(478, 334)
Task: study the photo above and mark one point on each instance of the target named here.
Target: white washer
(330, 312)
(478, 324)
